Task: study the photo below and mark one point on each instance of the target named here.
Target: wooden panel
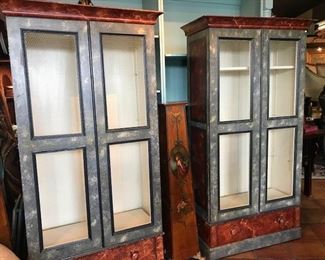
(199, 165)
(205, 22)
(76, 12)
(253, 226)
(198, 80)
(181, 238)
(148, 249)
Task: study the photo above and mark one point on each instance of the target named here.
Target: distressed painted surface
(76, 12)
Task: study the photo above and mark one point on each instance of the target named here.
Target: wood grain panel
(199, 165)
(198, 80)
(179, 220)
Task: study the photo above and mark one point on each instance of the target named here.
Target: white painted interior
(124, 81)
(129, 164)
(280, 164)
(234, 170)
(234, 80)
(65, 234)
(53, 83)
(282, 86)
(61, 184)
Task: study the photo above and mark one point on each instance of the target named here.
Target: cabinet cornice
(233, 22)
(76, 12)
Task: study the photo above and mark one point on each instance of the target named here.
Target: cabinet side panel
(198, 79)
(198, 139)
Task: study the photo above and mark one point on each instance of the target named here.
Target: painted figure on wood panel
(179, 163)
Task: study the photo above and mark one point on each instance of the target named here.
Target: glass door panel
(234, 169)
(234, 80)
(280, 163)
(282, 85)
(53, 83)
(130, 178)
(125, 82)
(62, 197)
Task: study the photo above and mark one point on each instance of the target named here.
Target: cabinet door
(234, 122)
(282, 118)
(53, 99)
(126, 113)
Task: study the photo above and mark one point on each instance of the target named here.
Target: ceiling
(293, 8)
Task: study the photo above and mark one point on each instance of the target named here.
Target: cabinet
(85, 98)
(246, 80)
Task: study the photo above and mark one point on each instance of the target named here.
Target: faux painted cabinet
(246, 80)
(85, 98)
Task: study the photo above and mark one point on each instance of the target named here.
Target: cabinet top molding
(40, 9)
(233, 22)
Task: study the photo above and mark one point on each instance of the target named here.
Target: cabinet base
(250, 232)
(151, 248)
(249, 244)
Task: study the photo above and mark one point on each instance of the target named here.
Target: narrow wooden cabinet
(178, 206)
(246, 80)
(85, 99)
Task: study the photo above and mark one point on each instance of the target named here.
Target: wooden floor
(312, 244)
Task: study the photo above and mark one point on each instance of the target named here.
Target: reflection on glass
(129, 169)
(234, 170)
(53, 83)
(234, 80)
(123, 58)
(61, 185)
(282, 85)
(280, 163)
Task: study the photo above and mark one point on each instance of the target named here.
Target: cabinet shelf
(273, 194)
(65, 234)
(176, 55)
(132, 218)
(234, 69)
(289, 67)
(234, 201)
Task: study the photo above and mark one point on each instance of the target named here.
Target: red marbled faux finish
(245, 23)
(75, 12)
(148, 249)
(249, 227)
